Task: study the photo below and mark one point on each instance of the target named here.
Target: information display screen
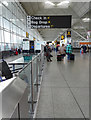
(26, 45)
(38, 22)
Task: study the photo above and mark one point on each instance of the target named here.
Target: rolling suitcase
(72, 57)
(59, 57)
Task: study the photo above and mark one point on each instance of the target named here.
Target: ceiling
(78, 10)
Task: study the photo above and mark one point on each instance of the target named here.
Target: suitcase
(72, 57)
(59, 57)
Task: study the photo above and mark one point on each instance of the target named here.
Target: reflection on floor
(65, 89)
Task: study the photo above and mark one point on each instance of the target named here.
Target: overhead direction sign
(27, 35)
(68, 33)
(62, 37)
(42, 22)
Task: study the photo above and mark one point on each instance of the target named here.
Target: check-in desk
(14, 99)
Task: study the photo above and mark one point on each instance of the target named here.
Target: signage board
(42, 22)
(68, 34)
(62, 37)
(25, 44)
(37, 46)
(27, 35)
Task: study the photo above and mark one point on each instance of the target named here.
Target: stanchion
(37, 79)
(32, 92)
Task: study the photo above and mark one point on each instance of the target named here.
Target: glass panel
(19, 31)
(4, 11)
(6, 24)
(14, 38)
(1, 24)
(34, 71)
(17, 21)
(18, 39)
(7, 37)
(12, 46)
(7, 46)
(26, 76)
(10, 6)
(14, 19)
(8, 14)
(14, 28)
(13, 7)
(0, 36)
(0, 8)
(11, 26)
(2, 47)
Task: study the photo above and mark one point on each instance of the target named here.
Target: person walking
(62, 51)
(69, 50)
(48, 53)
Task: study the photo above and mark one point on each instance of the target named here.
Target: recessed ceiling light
(86, 19)
(0, 4)
(78, 27)
(49, 3)
(63, 3)
(5, 3)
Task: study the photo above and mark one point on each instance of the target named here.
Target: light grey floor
(65, 89)
(12, 58)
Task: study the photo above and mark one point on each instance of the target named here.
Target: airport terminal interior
(45, 59)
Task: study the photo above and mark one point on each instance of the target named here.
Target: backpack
(5, 70)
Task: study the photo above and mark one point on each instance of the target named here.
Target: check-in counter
(14, 99)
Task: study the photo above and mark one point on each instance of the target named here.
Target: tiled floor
(65, 89)
(12, 58)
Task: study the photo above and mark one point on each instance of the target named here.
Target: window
(14, 28)
(7, 46)
(0, 36)
(1, 24)
(13, 19)
(4, 11)
(2, 47)
(7, 37)
(14, 38)
(6, 24)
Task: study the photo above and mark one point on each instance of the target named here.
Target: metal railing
(31, 73)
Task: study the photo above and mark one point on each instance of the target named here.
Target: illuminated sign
(38, 22)
(34, 38)
(68, 33)
(62, 37)
(55, 41)
(27, 35)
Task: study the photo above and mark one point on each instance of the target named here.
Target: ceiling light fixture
(5, 3)
(63, 3)
(0, 4)
(78, 27)
(50, 3)
(86, 19)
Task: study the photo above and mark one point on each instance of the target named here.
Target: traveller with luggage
(69, 50)
(62, 51)
(48, 53)
(57, 47)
